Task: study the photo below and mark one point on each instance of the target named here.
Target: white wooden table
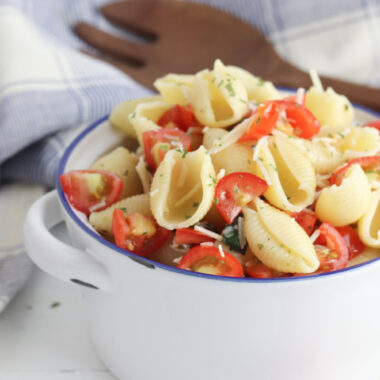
(43, 335)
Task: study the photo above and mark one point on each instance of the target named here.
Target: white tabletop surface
(43, 335)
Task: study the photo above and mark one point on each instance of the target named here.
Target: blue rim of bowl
(151, 263)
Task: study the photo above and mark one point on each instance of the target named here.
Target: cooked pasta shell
(146, 115)
(174, 87)
(231, 137)
(329, 107)
(322, 153)
(119, 115)
(347, 203)
(218, 98)
(257, 89)
(235, 158)
(369, 223)
(278, 240)
(358, 142)
(211, 136)
(102, 220)
(182, 190)
(287, 171)
(123, 163)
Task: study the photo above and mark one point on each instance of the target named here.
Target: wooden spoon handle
(356, 93)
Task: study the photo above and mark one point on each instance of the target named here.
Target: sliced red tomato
(373, 124)
(257, 270)
(91, 190)
(210, 260)
(158, 143)
(181, 117)
(191, 236)
(306, 219)
(368, 164)
(300, 118)
(335, 255)
(236, 190)
(262, 121)
(138, 233)
(352, 240)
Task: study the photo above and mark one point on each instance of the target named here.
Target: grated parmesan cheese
(207, 244)
(221, 174)
(242, 239)
(315, 80)
(221, 251)
(209, 233)
(97, 206)
(177, 259)
(314, 235)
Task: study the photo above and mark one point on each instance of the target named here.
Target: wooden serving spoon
(182, 37)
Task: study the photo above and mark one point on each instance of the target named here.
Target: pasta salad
(231, 177)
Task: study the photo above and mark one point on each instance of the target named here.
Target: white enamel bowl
(150, 321)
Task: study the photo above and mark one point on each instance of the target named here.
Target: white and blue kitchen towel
(48, 89)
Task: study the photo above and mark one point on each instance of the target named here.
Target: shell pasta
(232, 177)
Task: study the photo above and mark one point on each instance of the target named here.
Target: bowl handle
(52, 255)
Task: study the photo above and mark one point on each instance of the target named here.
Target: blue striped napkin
(48, 90)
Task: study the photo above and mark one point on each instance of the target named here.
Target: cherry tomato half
(236, 190)
(352, 240)
(138, 233)
(191, 236)
(209, 260)
(306, 219)
(158, 143)
(368, 163)
(181, 117)
(335, 255)
(257, 270)
(91, 190)
(262, 122)
(300, 118)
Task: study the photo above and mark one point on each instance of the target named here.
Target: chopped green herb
(164, 147)
(54, 305)
(230, 89)
(144, 233)
(243, 101)
(341, 135)
(133, 115)
(236, 190)
(230, 236)
(260, 246)
(124, 209)
(126, 172)
(258, 120)
(260, 81)
(184, 153)
(195, 204)
(346, 107)
(216, 200)
(220, 83)
(187, 217)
